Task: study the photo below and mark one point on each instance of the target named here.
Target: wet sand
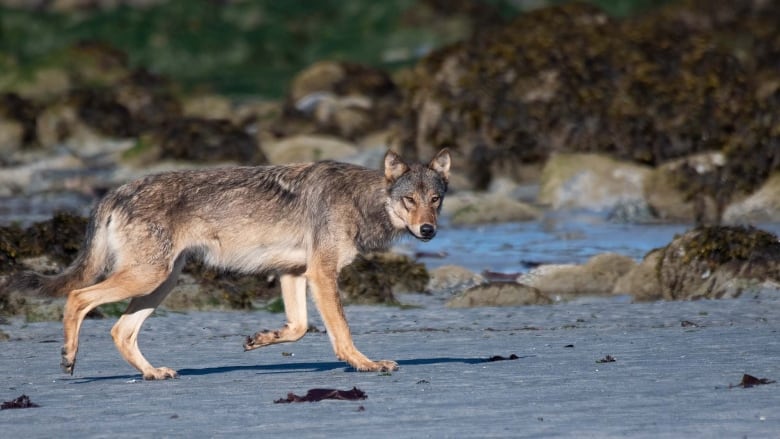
(674, 363)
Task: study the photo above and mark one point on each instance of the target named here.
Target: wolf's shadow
(285, 368)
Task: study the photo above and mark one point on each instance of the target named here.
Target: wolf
(302, 221)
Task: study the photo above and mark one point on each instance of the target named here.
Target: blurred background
(648, 115)
(246, 47)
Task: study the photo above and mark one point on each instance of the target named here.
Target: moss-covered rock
(201, 287)
(375, 277)
(206, 140)
(718, 261)
(59, 238)
(14, 107)
(685, 79)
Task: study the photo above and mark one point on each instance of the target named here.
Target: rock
(556, 79)
(590, 181)
(481, 208)
(448, 279)
(45, 84)
(597, 277)
(32, 307)
(59, 239)
(632, 212)
(206, 140)
(149, 98)
(675, 189)
(42, 264)
(87, 128)
(36, 310)
(641, 282)
(499, 294)
(375, 277)
(208, 107)
(716, 262)
(375, 140)
(59, 122)
(11, 137)
(308, 148)
(346, 99)
(94, 63)
(761, 206)
(204, 288)
(17, 122)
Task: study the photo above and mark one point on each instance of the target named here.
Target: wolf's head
(415, 193)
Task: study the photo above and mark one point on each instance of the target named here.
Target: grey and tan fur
(304, 221)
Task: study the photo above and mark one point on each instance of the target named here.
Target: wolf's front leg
(323, 279)
(294, 296)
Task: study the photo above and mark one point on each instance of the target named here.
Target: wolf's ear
(394, 166)
(441, 164)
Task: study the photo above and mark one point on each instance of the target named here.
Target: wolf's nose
(427, 230)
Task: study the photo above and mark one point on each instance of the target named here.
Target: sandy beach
(674, 364)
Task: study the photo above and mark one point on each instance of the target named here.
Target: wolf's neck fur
(376, 230)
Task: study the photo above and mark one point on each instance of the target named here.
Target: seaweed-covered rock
(375, 277)
(201, 287)
(718, 261)
(87, 120)
(24, 112)
(206, 140)
(570, 79)
(149, 98)
(59, 238)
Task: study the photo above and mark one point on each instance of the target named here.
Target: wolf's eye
(435, 199)
(409, 200)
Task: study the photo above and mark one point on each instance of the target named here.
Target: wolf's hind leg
(294, 296)
(120, 285)
(125, 331)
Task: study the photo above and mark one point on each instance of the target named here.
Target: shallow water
(559, 238)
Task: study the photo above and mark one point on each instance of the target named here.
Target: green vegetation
(252, 47)
(275, 305)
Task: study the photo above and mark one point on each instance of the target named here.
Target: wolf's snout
(427, 231)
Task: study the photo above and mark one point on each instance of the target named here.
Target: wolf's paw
(68, 362)
(160, 373)
(260, 339)
(377, 366)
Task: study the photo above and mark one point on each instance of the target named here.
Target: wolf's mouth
(421, 238)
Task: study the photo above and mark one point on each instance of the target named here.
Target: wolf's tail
(88, 265)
